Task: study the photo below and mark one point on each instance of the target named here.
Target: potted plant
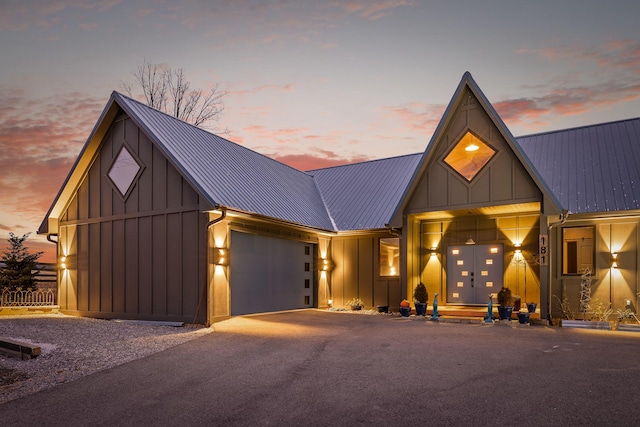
(505, 300)
(355, 303)
(420, 296)
(405, 308)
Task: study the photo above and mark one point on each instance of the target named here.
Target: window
(577, 250)
(469, 156)
(390, 256)
(124, 171)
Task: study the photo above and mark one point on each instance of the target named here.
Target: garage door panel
(268, 274)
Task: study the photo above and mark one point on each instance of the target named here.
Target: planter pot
(505, 312)
(356, 307)
(421, 309)
(531, 307)
(383, 308)
(523, 317)
(585, 324)
(628, 327)
(405, 311)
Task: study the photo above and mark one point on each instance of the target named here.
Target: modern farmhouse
(162, 220)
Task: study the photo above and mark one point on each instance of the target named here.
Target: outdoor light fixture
(220, 256)
(433, 252)
(614, 260)
(471, 147)
(63, 262)
(327, 264)
(470, 241)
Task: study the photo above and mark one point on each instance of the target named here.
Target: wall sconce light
(326, 264)
(433, 252)
(63, 262)
(220, 256)
(614, 260)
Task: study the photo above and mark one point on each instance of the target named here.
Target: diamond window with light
(469, 156)
(124, 171)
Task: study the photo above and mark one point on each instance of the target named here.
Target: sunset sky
(310, 83)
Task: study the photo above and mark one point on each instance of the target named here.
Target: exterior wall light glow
(326, 264)
(614, 260)
(220, 256)
(63, 262)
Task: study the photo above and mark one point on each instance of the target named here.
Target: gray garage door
(269, 274)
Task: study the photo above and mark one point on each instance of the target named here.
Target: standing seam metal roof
(230, 174)
(362, 196)
(591, 168)
(588, 169)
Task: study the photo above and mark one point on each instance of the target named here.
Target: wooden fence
(44, 294)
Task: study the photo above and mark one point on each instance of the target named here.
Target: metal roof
(229, 174)
(591, 168)
(362, 196)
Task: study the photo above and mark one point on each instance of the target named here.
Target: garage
(270, 274)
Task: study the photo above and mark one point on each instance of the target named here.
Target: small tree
(20, 268)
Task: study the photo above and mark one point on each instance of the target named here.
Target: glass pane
(469, 156)
(390, 256)
(123, 171)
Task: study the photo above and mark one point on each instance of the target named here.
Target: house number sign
(543, 250)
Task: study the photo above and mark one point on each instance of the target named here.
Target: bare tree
(168, 90)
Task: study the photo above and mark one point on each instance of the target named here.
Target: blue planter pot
(405, 311)
(523, 317)
(383, 309)
(531, 307)
(505, 312)
(421, 309)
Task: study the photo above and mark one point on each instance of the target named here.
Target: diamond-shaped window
(469, 156)
(124, 171)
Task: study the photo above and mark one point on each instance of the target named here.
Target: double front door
(474, 272)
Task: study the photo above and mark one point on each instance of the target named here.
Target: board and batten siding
(139, 258)
(356, 273)
(502, 181)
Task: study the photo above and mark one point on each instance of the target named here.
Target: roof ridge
(209, 132)
(577, 127)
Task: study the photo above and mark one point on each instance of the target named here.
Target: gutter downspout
(563, 218)
(223, 215)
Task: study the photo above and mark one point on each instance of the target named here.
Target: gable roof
(591, 168)
(467, 82)
(229, 174)
(361, 196)
(586, 170)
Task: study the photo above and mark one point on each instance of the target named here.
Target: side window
(389, 256)
(577, 249)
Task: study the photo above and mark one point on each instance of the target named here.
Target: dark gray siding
(140, 258)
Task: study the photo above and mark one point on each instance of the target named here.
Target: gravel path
(73, 347)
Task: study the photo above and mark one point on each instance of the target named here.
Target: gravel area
(73, 347)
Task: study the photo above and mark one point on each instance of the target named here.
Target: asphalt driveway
(321, 368)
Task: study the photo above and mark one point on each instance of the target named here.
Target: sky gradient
(309, 83)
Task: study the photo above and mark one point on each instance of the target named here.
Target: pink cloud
(39, 141)
(323, 159)
(418, 117)
(285, 88)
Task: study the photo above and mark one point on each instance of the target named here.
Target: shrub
(420, 293)
(505, 299)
